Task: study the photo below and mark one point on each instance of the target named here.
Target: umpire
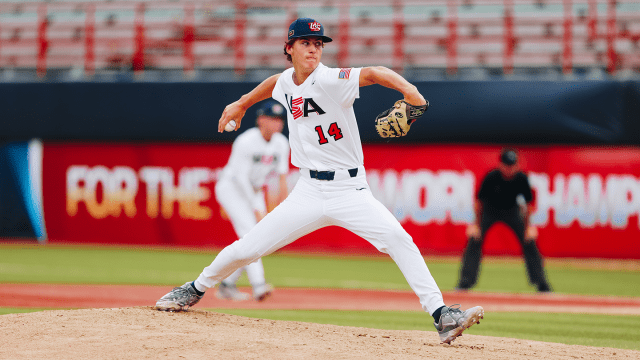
(505, 195)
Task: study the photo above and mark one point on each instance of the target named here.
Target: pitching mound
(144, 333)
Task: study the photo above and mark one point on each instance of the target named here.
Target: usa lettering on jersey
(294, 107)
(301, 107)
(265, 159)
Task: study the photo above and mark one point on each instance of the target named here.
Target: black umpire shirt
(500, 194)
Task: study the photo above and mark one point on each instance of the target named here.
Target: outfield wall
(580, 142)
(532, 112)
(587, 199)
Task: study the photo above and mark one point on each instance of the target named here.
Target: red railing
(245, 34)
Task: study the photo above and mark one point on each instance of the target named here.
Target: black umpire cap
(508, 157)
(304, 27)
(272, 109)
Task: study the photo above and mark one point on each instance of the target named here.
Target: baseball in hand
(231, 125)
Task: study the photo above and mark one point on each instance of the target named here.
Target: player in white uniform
(255, 154)
(332, 190)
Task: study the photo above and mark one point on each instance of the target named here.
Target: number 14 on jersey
(334, 131)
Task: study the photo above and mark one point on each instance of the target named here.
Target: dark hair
(288, 43)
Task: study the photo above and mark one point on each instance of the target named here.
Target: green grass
(7, 310)
(574, 329)
(26, 263)
(98, 265)
(109, 265)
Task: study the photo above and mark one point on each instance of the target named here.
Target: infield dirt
(144, 333)
(117, 322)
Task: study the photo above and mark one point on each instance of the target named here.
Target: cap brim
(325, 39)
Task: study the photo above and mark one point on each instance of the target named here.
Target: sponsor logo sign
(164, 194)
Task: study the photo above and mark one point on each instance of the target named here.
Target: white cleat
(454, 321)
(180, 298)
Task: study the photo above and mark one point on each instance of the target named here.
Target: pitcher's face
(306, 53)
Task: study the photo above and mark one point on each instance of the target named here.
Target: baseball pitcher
(332, 189)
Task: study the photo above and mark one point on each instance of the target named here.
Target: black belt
(329, 175)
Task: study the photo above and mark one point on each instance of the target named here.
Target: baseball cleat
(454, 321)
(262, 292)
(230, 292)
(180, 298)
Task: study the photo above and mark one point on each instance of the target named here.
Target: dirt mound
(144, 333)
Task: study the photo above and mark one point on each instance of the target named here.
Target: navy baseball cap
(508, 157)
(304, 27)
(272, 109)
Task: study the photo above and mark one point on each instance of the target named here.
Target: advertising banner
(586, 199)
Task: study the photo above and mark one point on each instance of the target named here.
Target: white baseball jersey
(253, 159)
(323, 132)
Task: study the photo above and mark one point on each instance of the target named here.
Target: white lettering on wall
(119, 189)
(420, 196)
(423, 196)
(589, 201)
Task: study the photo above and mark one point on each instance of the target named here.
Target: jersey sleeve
(342, 85)
(240, 163)
(278, 93)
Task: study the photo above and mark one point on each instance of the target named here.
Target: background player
(498, 200)
(332, 189)
(255, 154)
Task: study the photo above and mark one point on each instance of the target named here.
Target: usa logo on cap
(303, 27)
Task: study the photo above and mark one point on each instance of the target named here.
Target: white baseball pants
(241, 214)
(346, 202)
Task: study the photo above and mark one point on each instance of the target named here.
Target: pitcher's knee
(243, 252)
(402, 235)
(396, 237)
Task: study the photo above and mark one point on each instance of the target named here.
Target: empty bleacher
(189, 39)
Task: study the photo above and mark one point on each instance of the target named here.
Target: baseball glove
(396, 122)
